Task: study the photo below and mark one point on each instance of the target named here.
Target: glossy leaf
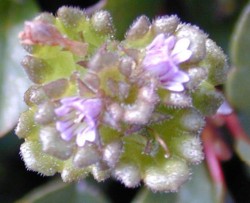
(64, 193)
(240, 44)
(245, 120)
(243, 150)
(125, 11)
(198, 189)
(238, 90)
(237, 86)
(13, 81)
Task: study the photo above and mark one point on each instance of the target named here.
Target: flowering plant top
(133, 110)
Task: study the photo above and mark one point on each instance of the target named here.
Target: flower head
(78, 117)
(163, 56)
(138, 121)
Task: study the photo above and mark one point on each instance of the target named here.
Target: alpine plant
(132, 109)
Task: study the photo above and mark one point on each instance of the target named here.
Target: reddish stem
(208, 136)
(234, 125)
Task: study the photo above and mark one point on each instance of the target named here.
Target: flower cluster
(133, 109)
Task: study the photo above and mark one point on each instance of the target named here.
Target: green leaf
(13, 81)
(199, 189)
(243, 150)
(244, 118)
(124, 12)
(238, 83)
(58, 191)
(240, 44)
(237, 89)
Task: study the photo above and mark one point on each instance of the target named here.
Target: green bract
(133, 109)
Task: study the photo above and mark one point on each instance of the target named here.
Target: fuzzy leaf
(13, 79)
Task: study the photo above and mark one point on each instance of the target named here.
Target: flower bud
(46, 17)
(114, 115)
(102, 22)
(34, 95)
(70, 173)
(177, 99)
(128, 174)
(134, 54)
(25, 124)
(148, 94)
(216, 62)
(83, 89)
(126, 65)
(196, 75)
(112, 153)
(139, 28)
(53, 145)
(86, 156)
(40, 32)
(92, 81)
(100, 171)
(36, 160)
(45, 113)
(165, 24)
(190, 148)
(141, 110)
(71, 17)
(167, 178)
(198, 41)
(56, 89)
(103, 60)
(191, 120)
(35, 68)
(139, 113)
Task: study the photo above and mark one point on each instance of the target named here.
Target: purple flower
(162, 59)
(78, 117)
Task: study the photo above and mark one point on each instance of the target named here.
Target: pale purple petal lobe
(225, 109)
(182, 57)
(174, 86)
(181, 45)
